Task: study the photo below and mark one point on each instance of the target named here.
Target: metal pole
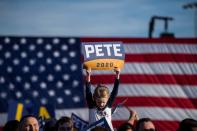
(193, 5)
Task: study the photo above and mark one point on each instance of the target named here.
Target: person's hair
(126, 126)
(23, 119)
(49, 125)
(63, 120)
(11, 125)
(99, 128)
(101, 91)
(141, 121)
(187, 124)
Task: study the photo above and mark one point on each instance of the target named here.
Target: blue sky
(99, 18)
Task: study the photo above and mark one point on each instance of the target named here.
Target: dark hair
(141, 121)
(126, 126)
(49, 125)
(11, 125)
(187, 124)
(99, 128)
(63, 120)
(24, 118)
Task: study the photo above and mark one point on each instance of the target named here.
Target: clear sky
(100, 18)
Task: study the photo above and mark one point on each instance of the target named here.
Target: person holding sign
(100, 102)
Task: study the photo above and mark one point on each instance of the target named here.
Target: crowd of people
(31, 123)
(100, 106)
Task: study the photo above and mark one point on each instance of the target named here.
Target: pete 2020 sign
(103, 55)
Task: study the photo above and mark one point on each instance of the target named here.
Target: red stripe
(140, 101)
(147, 79)
(156, 57)
(141, 40)
(160, 125)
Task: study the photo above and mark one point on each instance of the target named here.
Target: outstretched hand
(88, 74)
(117, 71)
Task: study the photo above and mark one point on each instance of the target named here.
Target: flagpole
(193, 6)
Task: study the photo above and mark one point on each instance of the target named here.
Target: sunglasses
(151, 129)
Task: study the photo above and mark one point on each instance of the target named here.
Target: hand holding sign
(103, 55)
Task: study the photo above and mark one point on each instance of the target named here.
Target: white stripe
(157, 113)
(3, 118)
(154, 68)
(160, 48)
(156, 90)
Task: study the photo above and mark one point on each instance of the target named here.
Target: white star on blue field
(97, 18)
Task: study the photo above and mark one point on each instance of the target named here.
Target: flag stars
(43, 101)
(15, 47)
(75, 83)
(9, 69)
(64, 47)
(43, 85)
(56, 41)
(73, 67)
(51, 93)
(1, 47)
(64, 60)
(56, 54)
(7, 40)
(48, 47)
(67, 92)
(49, 61)
(3, 95)
(59, 84)
(1, 62)
(18, 94)
(2, 80)
(27, 86)
(18, 79)
(25, 69)
(40, 54)
(60, 100)
(76, 99)
(23, 41)
(7, 54)
(23, 54)
(42, 68)
(50, 77)
(34, 78)
(11, 86)
(39, 41)
(16, 61)
(72, 54)
(66, 77)
(32, 47)
(35, 94)
(32, 61)
(71, 41)
(58, 68)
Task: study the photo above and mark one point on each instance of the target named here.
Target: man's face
(148, 126)
(65, 127)
(30, 124)
(101, 102)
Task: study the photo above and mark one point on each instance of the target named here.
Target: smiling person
(29, 123)
(100, 102)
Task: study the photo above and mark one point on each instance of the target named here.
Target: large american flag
(159, 77)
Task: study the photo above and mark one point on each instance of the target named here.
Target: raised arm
(88, 92)
(114, 92)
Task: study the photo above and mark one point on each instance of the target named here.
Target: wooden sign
(103, 55)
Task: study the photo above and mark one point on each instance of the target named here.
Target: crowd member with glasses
(145, 124)
(64, 124)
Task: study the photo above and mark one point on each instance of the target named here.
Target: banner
(103, 55)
